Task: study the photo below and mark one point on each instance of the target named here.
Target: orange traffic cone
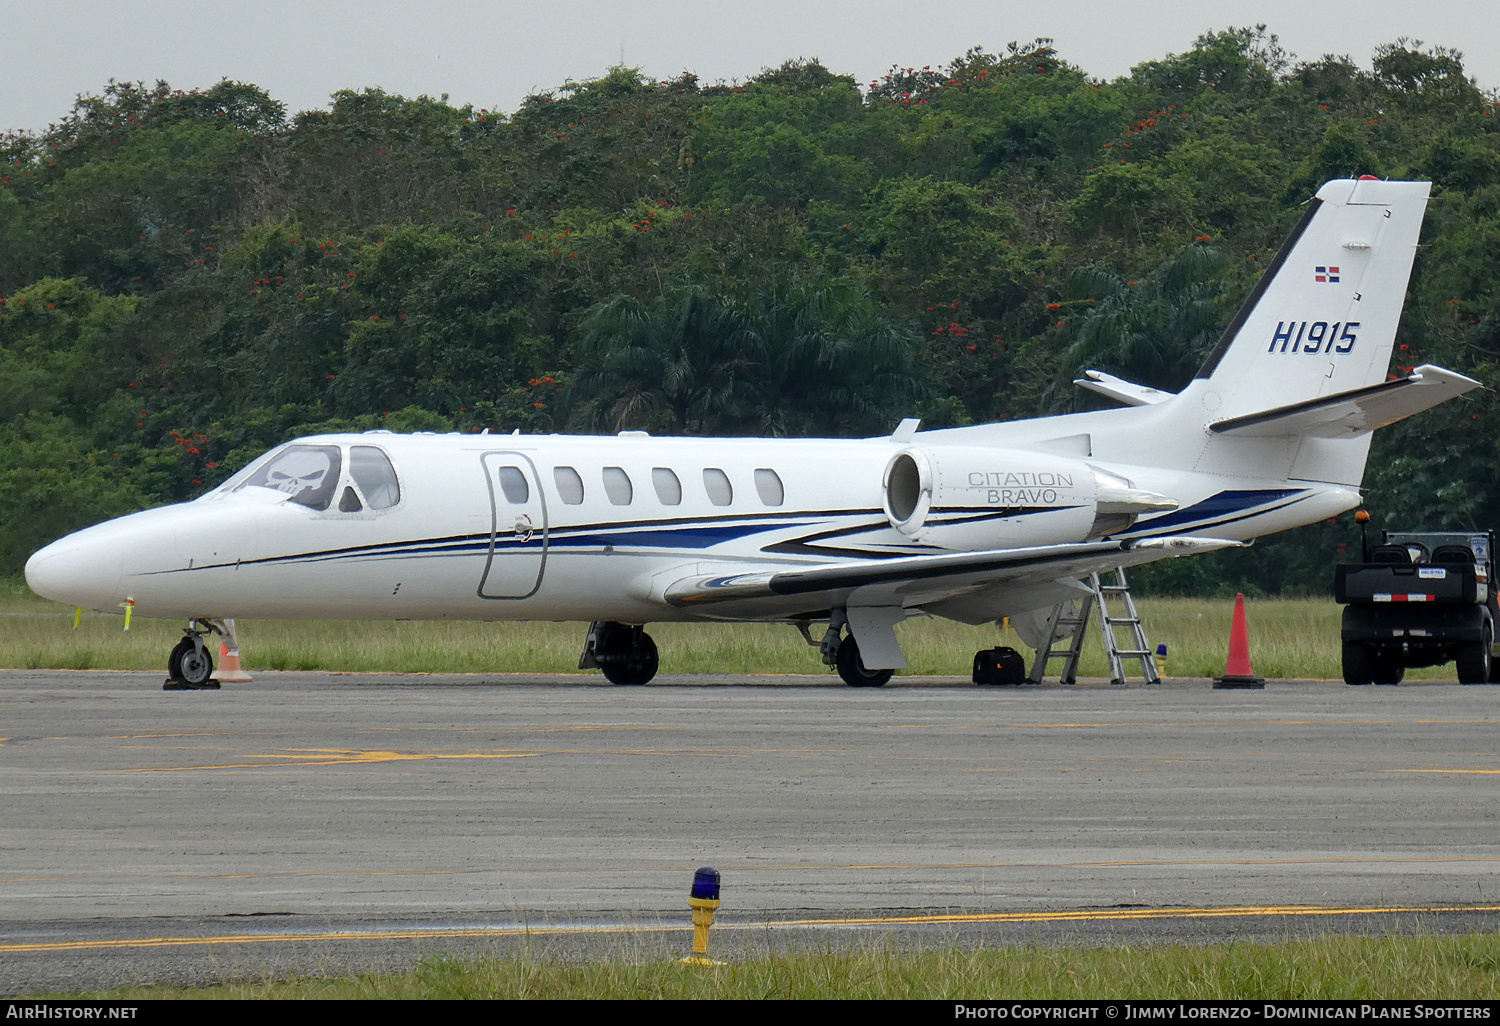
(1237, 671)
(229, 657)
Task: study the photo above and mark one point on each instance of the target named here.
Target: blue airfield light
(705, 884)
(703, 899)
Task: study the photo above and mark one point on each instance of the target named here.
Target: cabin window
(668, 488)
(716, 483)
(768, 484)
(349, 502)
(569, 485)
(372, 471)
(513, 484)
(308, 473)
(617, 486)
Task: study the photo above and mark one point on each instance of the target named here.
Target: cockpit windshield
(308, 473)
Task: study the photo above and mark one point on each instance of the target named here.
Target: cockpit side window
(372, 472)
(308, 473)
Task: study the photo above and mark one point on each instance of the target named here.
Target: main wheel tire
(1359, 664)
(190, 663)
(1473, 660)
(852, 668)
(637, 667)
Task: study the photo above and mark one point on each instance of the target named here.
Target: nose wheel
(625, 653)
(190, 667)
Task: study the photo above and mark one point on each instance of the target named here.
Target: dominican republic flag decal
(1326, 274)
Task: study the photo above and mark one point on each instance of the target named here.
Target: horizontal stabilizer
(912, 580)
(1355, 412)
(1126, 392)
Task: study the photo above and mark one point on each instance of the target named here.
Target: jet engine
(974, 498)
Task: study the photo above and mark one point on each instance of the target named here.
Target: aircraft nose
(77, 570)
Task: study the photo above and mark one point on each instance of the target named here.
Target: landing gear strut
(625, 653)
(190, 667)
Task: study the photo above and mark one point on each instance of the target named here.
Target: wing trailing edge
(911, 581)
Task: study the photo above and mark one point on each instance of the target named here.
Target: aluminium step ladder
(1065, 622)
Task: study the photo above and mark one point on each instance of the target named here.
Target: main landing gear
(625, 652)
(842, 653)
(190, 667)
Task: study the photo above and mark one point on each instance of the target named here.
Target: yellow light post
(703, 899)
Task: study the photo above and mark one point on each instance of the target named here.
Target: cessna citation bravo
(972, 523)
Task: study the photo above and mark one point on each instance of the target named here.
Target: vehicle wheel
(1473, 660)
(982, 673)
(635, 667)
(1359, 664)
(190, 664)
(852, 668)
(1388, 671)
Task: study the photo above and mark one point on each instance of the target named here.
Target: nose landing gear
(190, 667)
(625, 652)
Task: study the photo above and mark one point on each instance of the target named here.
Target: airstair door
(517, 556)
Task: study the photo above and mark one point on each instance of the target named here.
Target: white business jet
(972, 523)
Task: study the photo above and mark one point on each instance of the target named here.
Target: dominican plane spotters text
(853, 536)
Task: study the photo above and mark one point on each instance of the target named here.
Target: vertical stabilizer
(1322, 319)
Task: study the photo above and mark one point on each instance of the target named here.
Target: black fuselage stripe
(1185, 528)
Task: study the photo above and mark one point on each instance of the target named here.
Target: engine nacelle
(961, 497)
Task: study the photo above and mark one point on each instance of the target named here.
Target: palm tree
(679, 363)
(835, 363)
(1155, 331)
(815, 358)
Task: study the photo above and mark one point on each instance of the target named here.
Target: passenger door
(517, 555)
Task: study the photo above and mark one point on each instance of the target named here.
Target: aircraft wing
(912, 581)
(1347, 414)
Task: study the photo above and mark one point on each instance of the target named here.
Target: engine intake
(970, 497)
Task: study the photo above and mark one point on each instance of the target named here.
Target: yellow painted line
(199, 733)
(1443, 771)
(298, 757)
(1081, 915)
(1134, 914)
(176, 748)
(325, 759)
(1242, 723)
(272, 938)
(519, 730)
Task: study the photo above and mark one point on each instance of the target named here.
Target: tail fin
(1322, 319)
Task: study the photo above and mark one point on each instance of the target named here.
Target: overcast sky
(492, 53)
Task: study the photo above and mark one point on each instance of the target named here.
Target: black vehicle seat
(1390, 554)
(1453, 554)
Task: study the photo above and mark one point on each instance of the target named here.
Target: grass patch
(1466, 968)
(1290, 638)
